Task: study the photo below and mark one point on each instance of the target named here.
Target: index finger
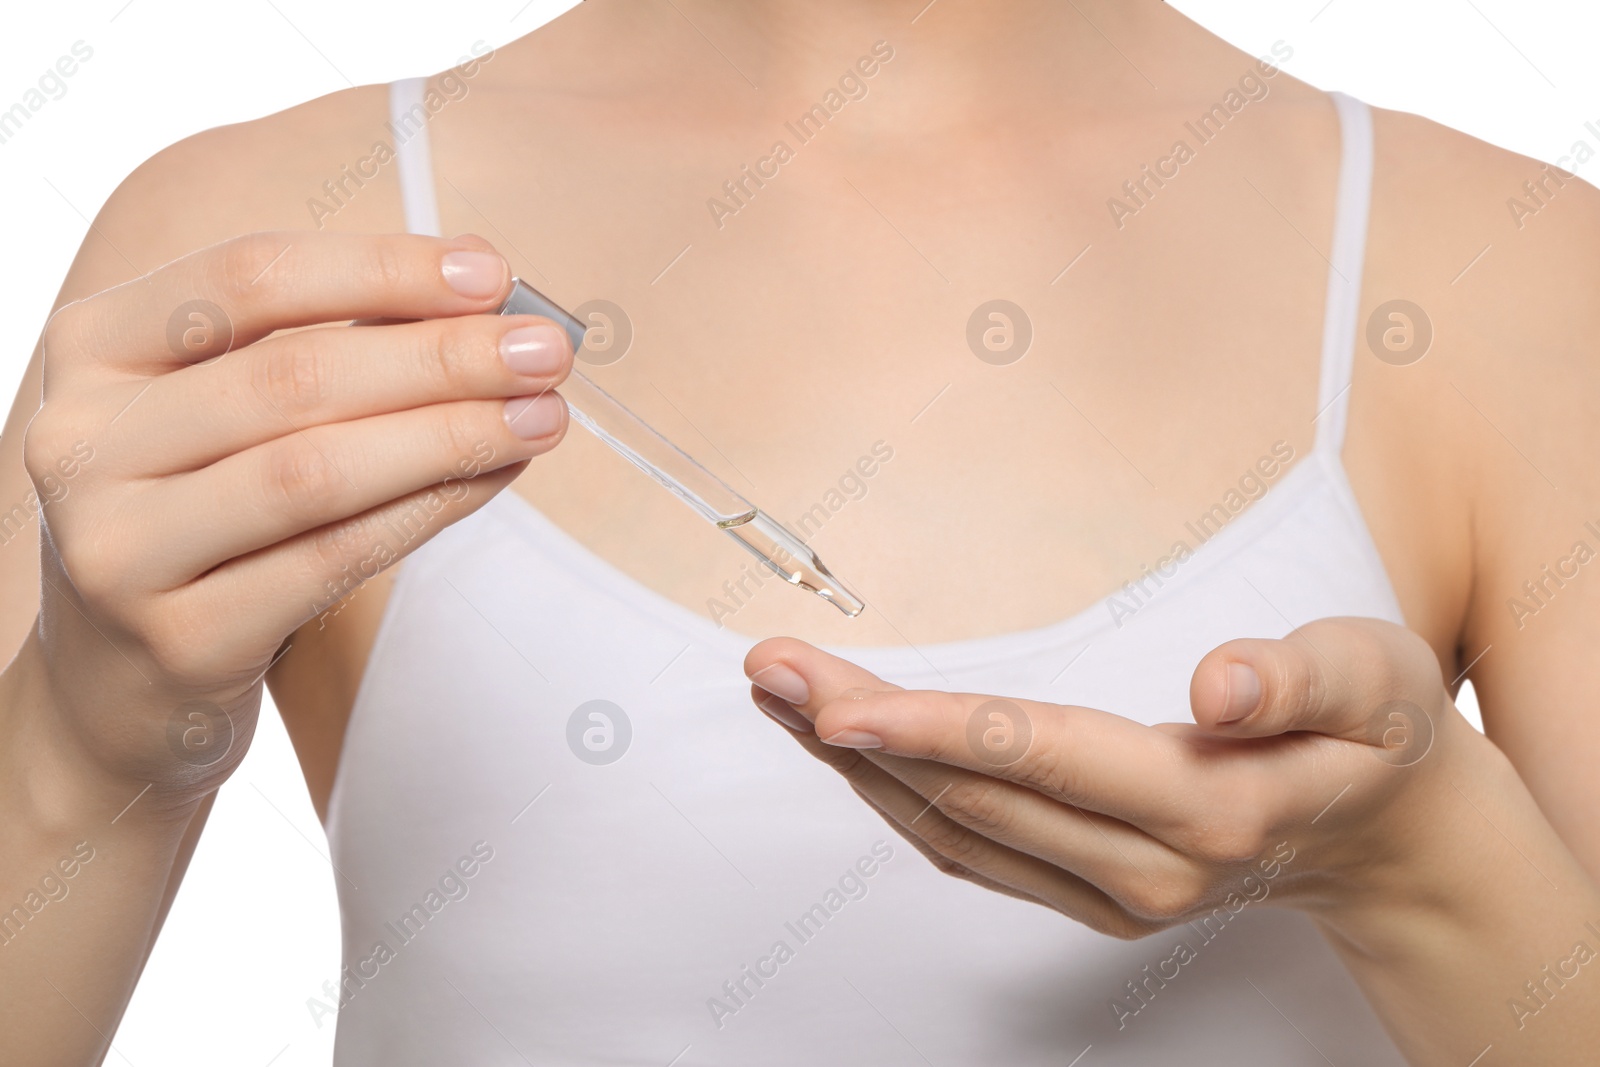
(1082, 756)
(234, 293)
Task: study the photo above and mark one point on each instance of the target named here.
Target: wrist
(1461, 847)
(54, 782)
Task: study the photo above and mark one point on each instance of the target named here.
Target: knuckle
(384, 266)
(1313, 692)
(64, 331)
(298, 479)
(1398, 658)
(949, 867)
(1051, 770)
(461, 435)
(1299, 686)
(1366, 644)
(177, 650)
(336, 546)
(954, 844)
(851, 765)
(980, 805)
(1381, 661)
(294, 376)
(1235, 830)
(1125, 926)
(1162, 901)
(42, 439)
(1231, 843)
(238, 269)
(92, 566)
(448, 356)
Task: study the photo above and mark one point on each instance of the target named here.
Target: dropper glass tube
(675, 470)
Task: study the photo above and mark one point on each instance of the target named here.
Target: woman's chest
(983, 397)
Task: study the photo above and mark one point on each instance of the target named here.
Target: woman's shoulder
(1478, 340)
(1510, 244)
(277, 172)
(1499, 255)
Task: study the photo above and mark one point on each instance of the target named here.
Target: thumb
(793, 680)
(1344, 677)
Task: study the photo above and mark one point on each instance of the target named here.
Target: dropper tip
(789, 558)
(845, 603)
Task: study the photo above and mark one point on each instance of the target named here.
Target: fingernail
(784, 715)
(531, 418)
(537, 349)
(784, 682)
(1244, 693)
(474, 274)
(854, 739)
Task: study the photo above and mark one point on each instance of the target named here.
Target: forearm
(85, 863)
(1492, 948)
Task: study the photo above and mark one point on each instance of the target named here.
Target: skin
(1167, 362)
(1328, 772)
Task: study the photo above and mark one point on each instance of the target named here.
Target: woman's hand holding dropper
(229, 481)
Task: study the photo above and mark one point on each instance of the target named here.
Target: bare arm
(1492, 961)
(135, 693)
(157, 214)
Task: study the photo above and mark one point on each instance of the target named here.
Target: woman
(1002, 308)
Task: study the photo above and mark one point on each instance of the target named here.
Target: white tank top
(717, 897)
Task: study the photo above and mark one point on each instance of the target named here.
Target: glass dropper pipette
(713, 499)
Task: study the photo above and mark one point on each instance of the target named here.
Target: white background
(254, 932)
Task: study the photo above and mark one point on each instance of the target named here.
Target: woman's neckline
(1065, 633)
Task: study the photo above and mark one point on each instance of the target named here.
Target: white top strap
(408, 123)
(1341, 323)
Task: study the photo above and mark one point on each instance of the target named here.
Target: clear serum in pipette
(680, 473)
